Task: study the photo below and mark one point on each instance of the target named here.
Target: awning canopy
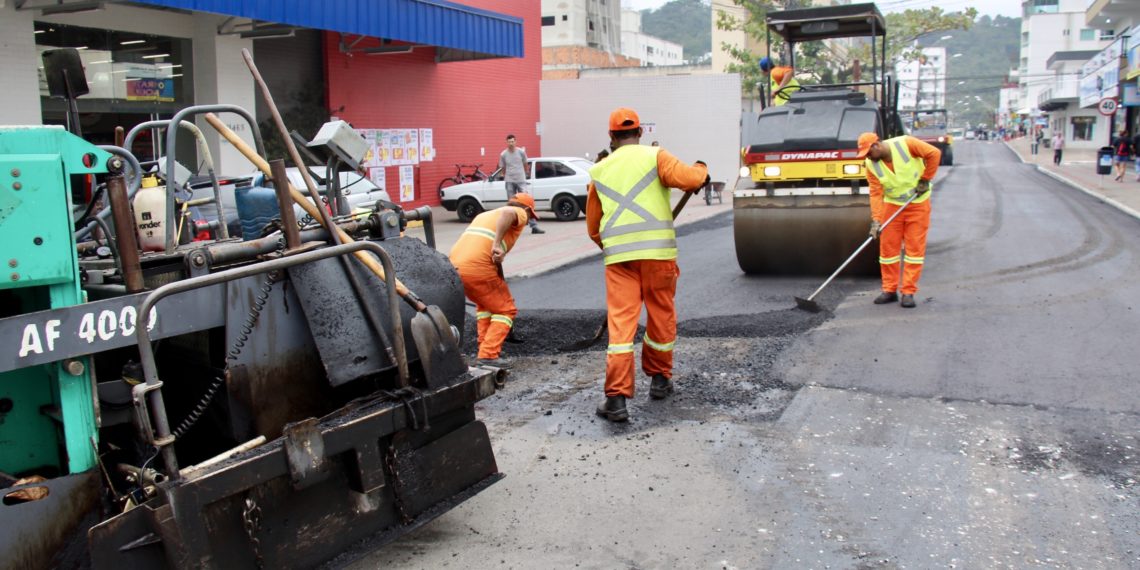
(462, 31)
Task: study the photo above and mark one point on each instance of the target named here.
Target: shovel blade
(808, 305)
(586, 342)
(438, 348)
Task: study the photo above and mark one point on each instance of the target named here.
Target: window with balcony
(1107, 34)
(1041, 7)
(1088, 35)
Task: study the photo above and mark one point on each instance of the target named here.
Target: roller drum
(802, 235)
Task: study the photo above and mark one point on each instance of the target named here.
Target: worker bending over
(897, 169)
(478, 255)
(780, 77)
(628, 215)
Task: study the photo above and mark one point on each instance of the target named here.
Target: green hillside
(686, 22)
(990, 48)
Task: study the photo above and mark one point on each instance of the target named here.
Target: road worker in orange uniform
(628, 215)
(897, 169)
(478, 255)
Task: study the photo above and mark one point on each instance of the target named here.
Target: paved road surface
(994, 426)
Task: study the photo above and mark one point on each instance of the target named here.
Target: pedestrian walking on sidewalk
(1122, 148)
(1037, 136)
(478, 256)
(628, 215)
(1058, 147)
(897, 169)
(513, 163)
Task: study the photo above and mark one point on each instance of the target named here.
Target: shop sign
(151, 89)
(1130, 94)
(1100, 75)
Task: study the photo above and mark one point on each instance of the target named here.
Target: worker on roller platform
(478, 255)
(897, 169)
(628, 215)
(780, 77)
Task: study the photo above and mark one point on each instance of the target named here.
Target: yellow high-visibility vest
(782, 97)
(898, 185)
(637, 221)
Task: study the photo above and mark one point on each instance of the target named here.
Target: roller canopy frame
(808, 24)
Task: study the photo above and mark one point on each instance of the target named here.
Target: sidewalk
(563, 242)
(1078, 169)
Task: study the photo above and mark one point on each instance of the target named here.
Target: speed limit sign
(1107, 106)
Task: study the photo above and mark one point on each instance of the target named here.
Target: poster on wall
(1132, 52)
(407, 183)
(412, 145)
(378, 177)
(648, 128)
(396, 146)
(427, 151)
(383, 152)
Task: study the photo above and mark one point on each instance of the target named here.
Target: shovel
(588, 342)
(809, 304)
(435, 339)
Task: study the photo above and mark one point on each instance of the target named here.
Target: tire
(566, 208)
(948, 157)
(444, 184)
(467, 209)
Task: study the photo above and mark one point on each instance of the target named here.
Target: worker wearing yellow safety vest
(781, 77)
(897, 169)
(629, 216)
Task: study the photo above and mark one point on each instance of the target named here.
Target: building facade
(1120, 18)
(649, 49)
(145, 61)
(922, 82)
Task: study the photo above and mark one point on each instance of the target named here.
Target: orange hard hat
(527, 202)
(865, 142)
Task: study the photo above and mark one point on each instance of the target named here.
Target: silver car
(557, 183)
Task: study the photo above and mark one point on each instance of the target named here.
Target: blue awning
(471, 32)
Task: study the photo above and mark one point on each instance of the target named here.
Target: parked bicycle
(462, 178)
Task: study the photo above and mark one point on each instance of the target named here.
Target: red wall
(468, 105)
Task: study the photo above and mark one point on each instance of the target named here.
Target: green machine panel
(47, 415)
(38, 248)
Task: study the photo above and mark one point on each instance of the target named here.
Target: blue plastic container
(256, 206)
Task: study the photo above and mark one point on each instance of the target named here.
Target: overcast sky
(1010, 8)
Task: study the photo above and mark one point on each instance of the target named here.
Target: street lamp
(956, 55)
(944, 38)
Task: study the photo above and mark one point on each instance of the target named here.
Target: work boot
(499, 362)
(537, 230)
(907, 301)
(660, 387)
(613, 409)
(886, 297)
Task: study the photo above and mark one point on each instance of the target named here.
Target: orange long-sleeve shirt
(930, 156)
(670, 170)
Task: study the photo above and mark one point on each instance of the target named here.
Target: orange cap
(527, 202)
(624, 119)
(865, 142)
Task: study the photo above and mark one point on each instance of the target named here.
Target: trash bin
(1104, 160)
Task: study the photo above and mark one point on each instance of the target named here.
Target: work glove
(876, 227)
(923, 187)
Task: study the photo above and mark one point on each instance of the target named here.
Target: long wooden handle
(301, 200)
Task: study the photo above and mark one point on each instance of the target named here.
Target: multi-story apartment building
(581, 34)
(651, 50)
(1051, 32)
(922, 82)
(1120, 18)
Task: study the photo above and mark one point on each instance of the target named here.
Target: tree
(823, 62)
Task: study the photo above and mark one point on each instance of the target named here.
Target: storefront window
(1083, 128)
(131, 77)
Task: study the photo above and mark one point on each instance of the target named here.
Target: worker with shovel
(478, 256)
(899, 169)
(628, 215)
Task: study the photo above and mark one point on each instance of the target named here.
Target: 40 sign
(1107, 106)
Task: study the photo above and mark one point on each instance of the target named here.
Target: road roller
(274, 400)
(801, 204)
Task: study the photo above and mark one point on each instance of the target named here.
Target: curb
(1128, 210)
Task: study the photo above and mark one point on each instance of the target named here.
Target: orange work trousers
(629, 285)
(908, 231)
(494, 307)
